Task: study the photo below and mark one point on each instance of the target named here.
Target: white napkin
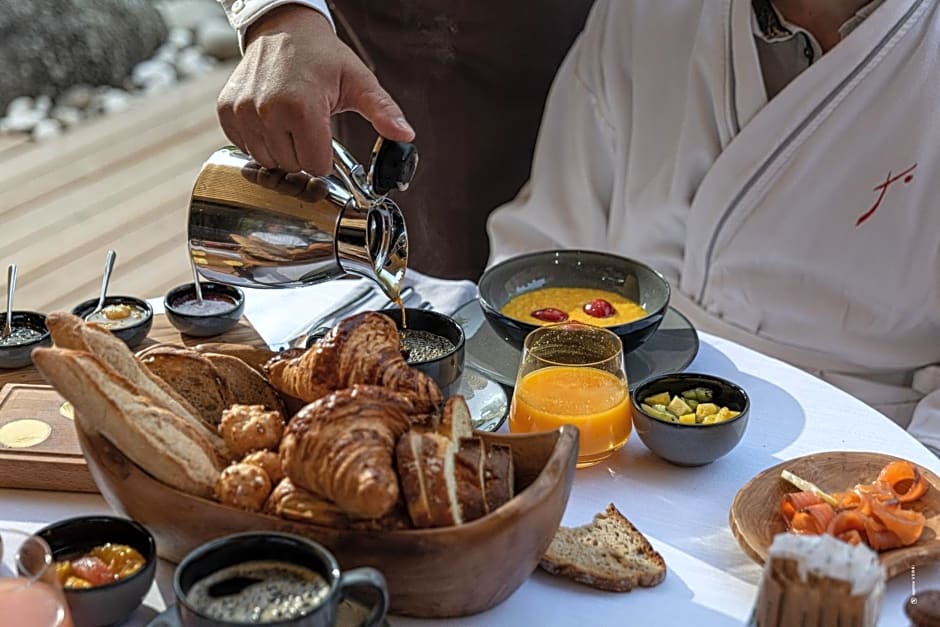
(277, 314)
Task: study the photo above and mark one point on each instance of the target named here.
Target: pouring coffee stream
(257, 228)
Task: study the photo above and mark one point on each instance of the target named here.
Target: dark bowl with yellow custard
(635, 297)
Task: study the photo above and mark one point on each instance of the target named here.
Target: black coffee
(280, 591)
(419, 346)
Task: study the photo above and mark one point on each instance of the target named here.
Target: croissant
(341, 448)
(361, 349)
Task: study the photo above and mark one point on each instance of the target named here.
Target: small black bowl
(20, 355)
(203, 324)
(132, 335)
(447, 369)
(113, 602)
(691, 445)
(574, 268)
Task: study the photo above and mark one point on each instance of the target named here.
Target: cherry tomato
(93, 570)
(599, 308)
(550, 314)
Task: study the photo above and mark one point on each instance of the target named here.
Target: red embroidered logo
(883, 189)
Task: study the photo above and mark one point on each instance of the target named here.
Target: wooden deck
(123, 182)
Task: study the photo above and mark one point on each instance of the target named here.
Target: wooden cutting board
(57, 463)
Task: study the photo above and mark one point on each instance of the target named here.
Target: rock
(188, 14)
(17, 105)
(218, 39)
(22, 121)
(180, 38)
(67, 116)
(192, 62)
(153, 70)
(112, 100)
(46, 128)
(43, 103)
(47, 46)
(78, 97)
(166, 53)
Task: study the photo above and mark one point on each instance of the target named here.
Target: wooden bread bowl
(432, 573)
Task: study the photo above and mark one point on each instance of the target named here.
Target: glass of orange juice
(30, 595)
(572, 373)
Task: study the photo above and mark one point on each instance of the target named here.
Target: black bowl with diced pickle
(27, 331)
(690, 419)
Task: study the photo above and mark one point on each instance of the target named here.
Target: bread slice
(71, 332)
(498, 476)
(456, 421)
(609, 554)
(469, 466)
(426, 469)
(164, 445)
(194, 378)
(254, 357)
(247, 385)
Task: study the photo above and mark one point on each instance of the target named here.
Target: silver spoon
(108, 267)
(196, 283)
(11, 287)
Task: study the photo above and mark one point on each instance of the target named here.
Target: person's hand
(295, 74)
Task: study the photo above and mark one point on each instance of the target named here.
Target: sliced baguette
(437, 456)
(469, 471)
(456, 421)
(411, 478)
(161, 443)
(71, 332)
(498, 476)
(609, 554)
(247, 386)
(194, 378)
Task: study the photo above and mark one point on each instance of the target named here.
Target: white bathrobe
(807, 227)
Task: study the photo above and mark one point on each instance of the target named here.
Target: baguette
(469, 475)
(164, 445)
(71, 332)
(609, 554)
(254, 357)
(456, 422)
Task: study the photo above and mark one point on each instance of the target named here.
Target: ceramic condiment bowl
(109, 603)
(18, 355)
(574, 268)
(691, 445)
(190, 320)
(132, 334)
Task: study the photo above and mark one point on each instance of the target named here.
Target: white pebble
(218, 39)
(79, 97)
(151, 71)
(112, 100)
(43, 103)
(21, 121)
(180, 37)
(18, 105)
(46, 129)
(192, 62)
(67, 116)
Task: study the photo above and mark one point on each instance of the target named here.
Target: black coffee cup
(281, 547)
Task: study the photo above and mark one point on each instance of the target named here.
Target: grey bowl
(113, 602)
(132, 335)
(691, 445)
(574, 268)
(20, 355)
(204, 325)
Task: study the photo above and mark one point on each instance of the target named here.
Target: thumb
(366, 97)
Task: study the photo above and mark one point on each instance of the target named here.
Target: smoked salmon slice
(905, 481)
(872, 513)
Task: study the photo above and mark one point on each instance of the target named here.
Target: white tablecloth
(683, 511)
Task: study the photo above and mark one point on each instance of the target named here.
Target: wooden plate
(755, 512)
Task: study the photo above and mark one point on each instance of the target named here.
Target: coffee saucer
(486, 399)
(350, 613)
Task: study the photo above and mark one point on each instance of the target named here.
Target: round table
(683, 511)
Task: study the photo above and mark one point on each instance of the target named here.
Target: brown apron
(471, 77)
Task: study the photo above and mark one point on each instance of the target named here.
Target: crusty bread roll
(165, 445)
(341, 448)
(71, 332)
